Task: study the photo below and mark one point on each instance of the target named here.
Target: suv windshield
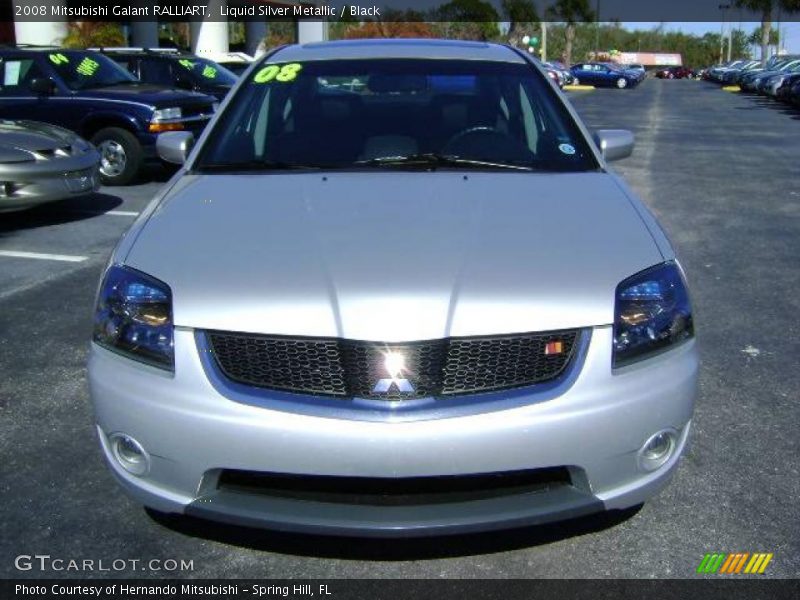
(204, 71)
(396, 113)
(84, 70)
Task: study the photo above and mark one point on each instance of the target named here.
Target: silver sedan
(425, 304)
(42, 163)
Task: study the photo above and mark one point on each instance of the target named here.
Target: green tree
(767, 8)
(89, 34)
(467, 20)
(521, 16)
(570, 12)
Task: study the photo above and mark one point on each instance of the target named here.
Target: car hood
(19, 138)
(394, 256)
(146, 94)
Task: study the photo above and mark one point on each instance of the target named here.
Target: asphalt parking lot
(721, 172)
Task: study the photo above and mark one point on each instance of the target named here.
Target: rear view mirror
(42, 85)
(175, 146)
(614, 144)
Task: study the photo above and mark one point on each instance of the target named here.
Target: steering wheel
(480, 130)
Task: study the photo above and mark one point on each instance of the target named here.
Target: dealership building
(207, 36)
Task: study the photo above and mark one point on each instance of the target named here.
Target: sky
(790, 31)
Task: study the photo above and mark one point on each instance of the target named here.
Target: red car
(675, 73)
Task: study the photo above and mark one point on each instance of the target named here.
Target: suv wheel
(622, 83)
(120, 155)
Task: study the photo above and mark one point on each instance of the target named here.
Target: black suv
(93, 96)
(170, 67)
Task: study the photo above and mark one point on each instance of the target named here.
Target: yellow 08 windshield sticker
(283, 74)
(88, 67)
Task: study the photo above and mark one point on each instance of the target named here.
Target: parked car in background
(794, 94)
(569, 79)
(732, 76)
(639, 69)
(675, 73)
(603, 74)
(784, 90)
(42, 163)
(88, 93)
(769, 85)
(753, 81)
(172, 68)
(556, 74)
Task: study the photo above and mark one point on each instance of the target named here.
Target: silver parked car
(422, 306)
(42, 163)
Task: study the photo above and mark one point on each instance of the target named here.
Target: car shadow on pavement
(391, 549)
(57, 213)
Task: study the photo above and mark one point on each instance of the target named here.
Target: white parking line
(42, 256)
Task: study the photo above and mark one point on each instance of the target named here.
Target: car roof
(399, 48)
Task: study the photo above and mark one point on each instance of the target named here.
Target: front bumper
(595, 429)
(32, 184)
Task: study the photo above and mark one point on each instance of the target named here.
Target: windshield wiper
(256, 165)
(432, 160)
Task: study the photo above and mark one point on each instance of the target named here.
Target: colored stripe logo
(734, 563)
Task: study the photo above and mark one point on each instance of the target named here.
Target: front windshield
(396, 113)
(204, 71)
(81, 70)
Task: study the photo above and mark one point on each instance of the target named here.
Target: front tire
(120, 155)
(622, 83)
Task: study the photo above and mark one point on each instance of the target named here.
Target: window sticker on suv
(88, 67)
(284, 74)
(209, 72)
(58, 59)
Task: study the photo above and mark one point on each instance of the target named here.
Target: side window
(16, 75)
(157, 71)
(129, 64)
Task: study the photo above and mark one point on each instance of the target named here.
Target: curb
(571, 88)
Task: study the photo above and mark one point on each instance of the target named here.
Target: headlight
(652, 313)
(134, 317)
(165, 114)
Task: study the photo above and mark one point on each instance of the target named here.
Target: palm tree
(570, 12)
(766, 8)
(521, 15)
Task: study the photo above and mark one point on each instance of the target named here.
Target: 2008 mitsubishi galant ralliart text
(394, 290)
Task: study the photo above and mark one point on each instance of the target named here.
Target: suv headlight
(652, 312)
(134, 317)
(165, 114)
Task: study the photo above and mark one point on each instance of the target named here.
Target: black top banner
(400, 10)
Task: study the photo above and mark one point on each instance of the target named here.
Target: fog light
(130, 454)
(657, 450)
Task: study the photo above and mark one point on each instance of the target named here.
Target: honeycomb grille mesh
(346, 368)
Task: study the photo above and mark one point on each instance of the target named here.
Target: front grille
(347, 368)
(386, 491)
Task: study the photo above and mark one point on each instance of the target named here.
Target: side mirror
(42, 86)
(174, 146)
(614, 143)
